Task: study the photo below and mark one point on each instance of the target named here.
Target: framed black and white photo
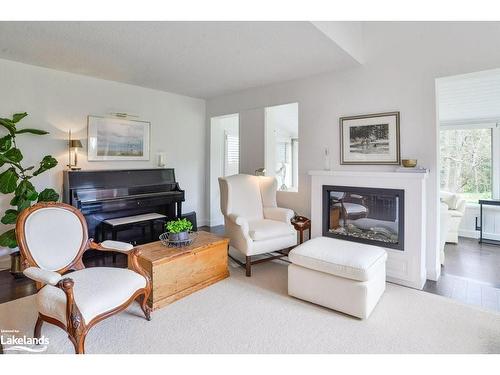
(370, 139)
(112, 138)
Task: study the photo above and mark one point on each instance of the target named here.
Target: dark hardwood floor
(471, 274)
(470, 259)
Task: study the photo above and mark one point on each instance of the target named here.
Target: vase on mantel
(326, 159)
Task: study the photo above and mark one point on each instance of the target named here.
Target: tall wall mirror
(282, 145)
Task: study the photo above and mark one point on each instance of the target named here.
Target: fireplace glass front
(367, 215)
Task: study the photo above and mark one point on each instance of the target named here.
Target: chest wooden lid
(155, 252)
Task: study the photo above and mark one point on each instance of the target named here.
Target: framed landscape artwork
(117, 139)
(370, 139)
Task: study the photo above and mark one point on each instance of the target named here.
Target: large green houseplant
(15, 178)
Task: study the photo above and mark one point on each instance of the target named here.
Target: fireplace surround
(407, 267)
(373, 216)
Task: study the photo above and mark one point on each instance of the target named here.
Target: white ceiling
(200, 59)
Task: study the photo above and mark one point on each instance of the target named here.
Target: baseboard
(434, 273)
(204, 223)
(468, 233)
(475, 234)
(214, 223)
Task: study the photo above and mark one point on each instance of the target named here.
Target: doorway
(282, 145)
(468, 161)
(224, 158)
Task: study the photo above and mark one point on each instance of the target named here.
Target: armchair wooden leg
(143, 301)
(248, 266)
(38, 328)
(79, 343)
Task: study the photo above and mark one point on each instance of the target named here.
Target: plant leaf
(10, 217)
(8, 181)
(14, 200)
(8, 239)
(47, 162)
(26, 190)
(48, 195)
(31, 195)
(14, 154)
(8, 124)
(32, 131)
(5, 143)
(23, 204)
(18, 117)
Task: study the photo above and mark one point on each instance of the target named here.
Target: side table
(301, 223)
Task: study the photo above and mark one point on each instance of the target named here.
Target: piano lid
(99, 195)
(118, 178)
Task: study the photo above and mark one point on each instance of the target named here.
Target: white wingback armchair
(253, 221)
(52, 238)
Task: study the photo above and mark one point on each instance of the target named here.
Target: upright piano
(107, 194)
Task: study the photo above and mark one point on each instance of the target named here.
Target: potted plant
(15, 178)
(178, 230)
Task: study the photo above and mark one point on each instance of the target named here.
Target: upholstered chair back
(241, 196)
(51, 236)
(268, 188)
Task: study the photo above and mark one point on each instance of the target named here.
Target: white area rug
(255, 315)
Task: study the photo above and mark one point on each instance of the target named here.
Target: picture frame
(370, 139)
(115, 138)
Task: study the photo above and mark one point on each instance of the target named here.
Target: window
(231, 154)
(467, 167)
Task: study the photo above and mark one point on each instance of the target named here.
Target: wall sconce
(73, 145)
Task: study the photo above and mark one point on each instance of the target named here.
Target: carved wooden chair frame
(76, 327)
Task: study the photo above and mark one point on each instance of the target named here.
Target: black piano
(108, 194)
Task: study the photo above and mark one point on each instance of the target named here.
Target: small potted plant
(178, 230)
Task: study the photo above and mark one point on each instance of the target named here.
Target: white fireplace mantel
(403, 267)
(398, 175)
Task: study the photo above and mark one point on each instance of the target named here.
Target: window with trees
(467, 163)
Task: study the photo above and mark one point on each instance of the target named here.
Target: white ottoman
(342, 275)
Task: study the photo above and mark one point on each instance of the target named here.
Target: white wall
(402, 63)
(219, 127)
(252, 150)
(58, 101)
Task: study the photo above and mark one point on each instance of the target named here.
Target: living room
(247, 187)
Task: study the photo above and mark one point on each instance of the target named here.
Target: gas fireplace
(369, 215)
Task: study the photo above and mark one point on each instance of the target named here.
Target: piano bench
(121, 223)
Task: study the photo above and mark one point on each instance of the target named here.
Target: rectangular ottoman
(342, 275)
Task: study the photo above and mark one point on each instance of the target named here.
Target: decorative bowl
(409, 163)
(173, 241)
(181, 236)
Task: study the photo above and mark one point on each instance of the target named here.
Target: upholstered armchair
(456, 210)
(52, 238)
(253, 221)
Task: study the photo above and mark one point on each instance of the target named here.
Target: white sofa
(342, 275)
(456, 209)
(253, 221)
